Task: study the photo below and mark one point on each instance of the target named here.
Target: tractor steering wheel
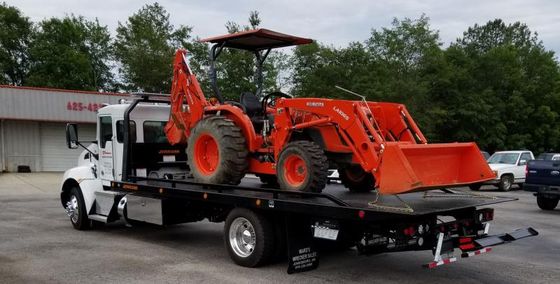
(267, 99)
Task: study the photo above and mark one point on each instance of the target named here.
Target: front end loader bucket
(416, 167)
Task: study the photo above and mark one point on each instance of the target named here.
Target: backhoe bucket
(417, 167)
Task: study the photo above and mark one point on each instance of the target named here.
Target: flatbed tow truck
(132, 174)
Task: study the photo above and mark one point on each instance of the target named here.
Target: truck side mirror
(522, 162)
(72, 135)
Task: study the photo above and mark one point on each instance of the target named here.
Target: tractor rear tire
(217, 151)
(356, 179)
(302, 166)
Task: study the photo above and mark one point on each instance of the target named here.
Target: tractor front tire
(217, 151)
(302, 166)
(356, 179)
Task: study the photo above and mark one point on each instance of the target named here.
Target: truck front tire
(77, 210)
(249, 237)
(547, 203)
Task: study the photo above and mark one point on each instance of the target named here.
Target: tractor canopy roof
(256, 40)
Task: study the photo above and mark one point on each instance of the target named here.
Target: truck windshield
(503, 158)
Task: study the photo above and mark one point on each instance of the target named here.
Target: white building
(33, 121)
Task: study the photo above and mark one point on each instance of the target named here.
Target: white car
(509, 167)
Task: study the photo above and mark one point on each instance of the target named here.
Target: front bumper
(540, 189)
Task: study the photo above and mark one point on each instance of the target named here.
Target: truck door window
(154, 132)
(525, 156)
(120, 131)
(105, 130)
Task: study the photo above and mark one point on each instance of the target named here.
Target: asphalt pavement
(38, 244)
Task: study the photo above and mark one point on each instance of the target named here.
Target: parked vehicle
(509, 168)
(543, 178)
(549, 156)
(485, 154)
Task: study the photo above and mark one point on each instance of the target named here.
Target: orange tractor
(295, 141)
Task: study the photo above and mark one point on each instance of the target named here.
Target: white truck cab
(509, 167)
(102, 161)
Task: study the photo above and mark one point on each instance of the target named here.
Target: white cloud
(330, 21)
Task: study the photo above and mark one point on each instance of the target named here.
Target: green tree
(145, 46)
(71, 53)
(318, 69)
(401, 64)
(508, 93)
(15, 36)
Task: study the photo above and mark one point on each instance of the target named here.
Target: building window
(154, 132)
(120, 131)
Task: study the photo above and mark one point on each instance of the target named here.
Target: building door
(55, 155)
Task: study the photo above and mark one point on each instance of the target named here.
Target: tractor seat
(254, 109)
(252, 105)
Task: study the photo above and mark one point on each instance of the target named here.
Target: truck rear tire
(249, 237)
(356, 179)
(217, 151)
(506, 182)
(547, 203)
(79, 217)
(302, 166)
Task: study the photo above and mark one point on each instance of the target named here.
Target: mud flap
(302, 253)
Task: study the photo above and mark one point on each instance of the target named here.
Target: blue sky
(327, 21)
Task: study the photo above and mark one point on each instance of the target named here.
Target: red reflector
(361, 214)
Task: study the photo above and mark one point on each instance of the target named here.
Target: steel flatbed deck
(335, 200)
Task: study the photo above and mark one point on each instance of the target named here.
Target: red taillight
(409, 231)
(465, 240)
(467, 246)
(526, 170)
(361, 214)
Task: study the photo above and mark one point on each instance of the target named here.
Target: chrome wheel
(73, 209)
(242, 237)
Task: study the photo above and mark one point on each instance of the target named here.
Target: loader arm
(184, 88)
(386, 141)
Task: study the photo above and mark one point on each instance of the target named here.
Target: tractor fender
(242, 120)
